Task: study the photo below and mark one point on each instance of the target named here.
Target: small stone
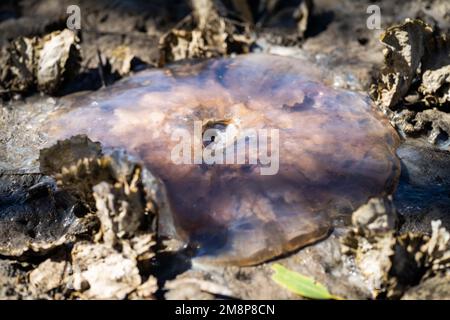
(100, 272)
(49, 275)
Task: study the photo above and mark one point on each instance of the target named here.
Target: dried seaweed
(204, 34)
(44, 63)
(414, 84)
(393, 263)
(120, 193)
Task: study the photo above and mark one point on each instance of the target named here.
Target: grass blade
(300, 284)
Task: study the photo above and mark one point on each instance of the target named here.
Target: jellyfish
(258, 156)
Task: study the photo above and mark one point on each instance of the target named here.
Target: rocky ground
(66, 233)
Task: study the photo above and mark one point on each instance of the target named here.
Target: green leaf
(300, 284)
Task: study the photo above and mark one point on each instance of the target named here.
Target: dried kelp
(59, 60)
(122, 60)
(282, 22)
(67, 152)
(392, 263)
(43, 63)
(108, 267)
(405, 47)
(219, 28)
(203, 34)
(414, 85)
(121, 193)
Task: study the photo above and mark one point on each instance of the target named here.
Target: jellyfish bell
(334, 150)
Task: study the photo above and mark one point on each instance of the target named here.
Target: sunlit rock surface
(335, 150)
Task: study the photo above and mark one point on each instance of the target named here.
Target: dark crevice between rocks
(319, 23)
(166, 265)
